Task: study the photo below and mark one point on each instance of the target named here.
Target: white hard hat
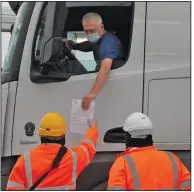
(138, 125)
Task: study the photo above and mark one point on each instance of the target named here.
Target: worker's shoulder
(22, 157)
(170, 155)
(122, 157)
(33, 152)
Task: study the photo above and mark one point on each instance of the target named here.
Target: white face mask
(93, 38)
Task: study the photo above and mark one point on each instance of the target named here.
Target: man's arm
(185, 181)
(102, 76)
(117, 179)
(83, 46)
(17, 177)
(87, 148)
(185, 176)
(109, 52)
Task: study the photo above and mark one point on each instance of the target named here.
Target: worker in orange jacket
(141, 166)
(32, 165)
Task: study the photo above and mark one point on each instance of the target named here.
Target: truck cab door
(54, 92)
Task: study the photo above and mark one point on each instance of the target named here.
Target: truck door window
(85, 58)
(84, 62)
(39, 37)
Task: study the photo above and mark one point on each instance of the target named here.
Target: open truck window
(85, 58)
(118, 20)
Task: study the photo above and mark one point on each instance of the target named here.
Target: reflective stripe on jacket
(148, 169)
(32, 164)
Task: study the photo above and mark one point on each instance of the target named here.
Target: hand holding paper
(92, 123)
(79, 117)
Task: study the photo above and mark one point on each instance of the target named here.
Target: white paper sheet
(79, 117)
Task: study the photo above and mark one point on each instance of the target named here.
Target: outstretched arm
(108, 53)
(87, 148)
(17, 177)
(83, 46)
(102, 76)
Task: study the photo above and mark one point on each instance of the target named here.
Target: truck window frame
(34, 66)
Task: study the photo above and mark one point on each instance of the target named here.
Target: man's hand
(69, 44)
(100, 81)
(87, 100)
(92, 123)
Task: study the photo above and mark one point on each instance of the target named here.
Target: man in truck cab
(52, 166)
(107, 50)
(141, 166)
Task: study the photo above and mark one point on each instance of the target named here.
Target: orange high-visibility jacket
(148, 169)
(33, 164)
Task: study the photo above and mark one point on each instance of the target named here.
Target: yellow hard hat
(52, 124)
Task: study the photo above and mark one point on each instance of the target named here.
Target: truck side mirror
(53, 50)
(52, 38)
(115, 135)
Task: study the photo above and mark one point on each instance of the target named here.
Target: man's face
(91, 27)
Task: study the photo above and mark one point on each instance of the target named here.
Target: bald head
(92, 23)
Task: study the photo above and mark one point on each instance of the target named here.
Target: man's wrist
(74, 46)
(93, 94)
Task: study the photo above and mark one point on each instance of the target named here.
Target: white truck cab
(39, 76)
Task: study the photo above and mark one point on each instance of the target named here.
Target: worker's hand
(92, 123)
(87, 100)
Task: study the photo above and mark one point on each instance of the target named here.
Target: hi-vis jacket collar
(135, 149)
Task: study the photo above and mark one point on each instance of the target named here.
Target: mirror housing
(52, 40)
(115, 135)
(53, 51)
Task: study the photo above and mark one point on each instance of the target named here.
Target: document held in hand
(79, 117)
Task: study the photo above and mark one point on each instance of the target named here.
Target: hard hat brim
(51, 133)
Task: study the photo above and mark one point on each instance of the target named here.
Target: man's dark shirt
(109, 46)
